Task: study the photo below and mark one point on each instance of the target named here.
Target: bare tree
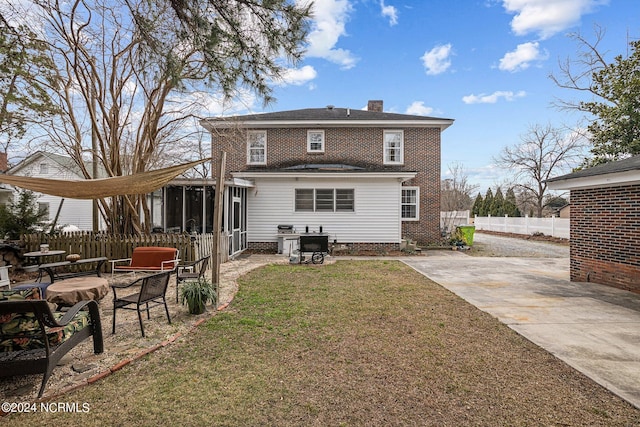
(613, 89)
(576, 73)
(128, 76)
(455, 193)
(544, 151)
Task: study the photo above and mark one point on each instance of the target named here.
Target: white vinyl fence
(451, 219)
(556, 227)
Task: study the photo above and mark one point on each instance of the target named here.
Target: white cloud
(389, 12)
(437, 60)
(492, 98)
(329, 19)
(418, 108)
(521, 58)
(298, 76)
(548, 17)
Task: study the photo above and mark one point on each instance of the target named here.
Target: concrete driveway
(593, 328)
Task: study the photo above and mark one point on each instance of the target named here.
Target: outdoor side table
(71, 291)
(38, 255)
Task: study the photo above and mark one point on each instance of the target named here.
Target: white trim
(314, 195)
(384, 147)
(256, 132)
(400, 176)
(417, 204)
(441, 124)
(604, 180)
(309, 149)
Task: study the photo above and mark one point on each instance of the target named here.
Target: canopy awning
(140, 183)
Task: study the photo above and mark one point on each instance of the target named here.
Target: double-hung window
(324, 200)
(315, 141)
(344, 200)
(257, 147)
(393, 147)
(410, 203)
(304, 200)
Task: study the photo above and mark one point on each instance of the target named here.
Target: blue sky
(484, 63)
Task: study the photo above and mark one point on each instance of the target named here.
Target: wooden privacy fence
(117, 246)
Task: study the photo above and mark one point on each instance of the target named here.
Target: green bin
(466, 232)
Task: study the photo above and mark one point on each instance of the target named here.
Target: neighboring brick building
(605, 223)
(368, 177)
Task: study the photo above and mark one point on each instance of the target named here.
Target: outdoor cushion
(26, 331)
(21, 331)
(18, 294)
(146, 257)
(150, 258)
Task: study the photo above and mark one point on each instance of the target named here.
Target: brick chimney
(375, 105)
(4, 164)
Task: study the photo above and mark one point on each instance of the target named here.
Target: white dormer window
(44, 169)
(393, 147)
(257, 147)
(315, 141)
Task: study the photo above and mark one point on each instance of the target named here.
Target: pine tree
(21, 216)
(476, 210)
(497, 205)
(510, 204)
(486, 205)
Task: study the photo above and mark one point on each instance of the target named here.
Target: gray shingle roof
(632, 163)
(328, 114)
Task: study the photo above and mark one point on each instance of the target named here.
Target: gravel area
(500, 246)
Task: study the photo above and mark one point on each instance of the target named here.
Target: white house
(74, 212)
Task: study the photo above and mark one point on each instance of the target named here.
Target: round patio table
(37, 255)
(71, 291)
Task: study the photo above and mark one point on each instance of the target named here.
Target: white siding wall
(376, 218)
(76, 212)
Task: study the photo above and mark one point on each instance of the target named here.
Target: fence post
(553, 226)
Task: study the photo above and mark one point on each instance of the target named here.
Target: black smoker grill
(315, 243)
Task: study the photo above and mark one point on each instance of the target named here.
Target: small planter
(196, 294)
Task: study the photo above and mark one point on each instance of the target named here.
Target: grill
(285, 229)
(314, 242)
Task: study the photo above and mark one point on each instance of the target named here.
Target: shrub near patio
(350, 343)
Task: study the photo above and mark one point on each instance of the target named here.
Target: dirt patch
(538, 237)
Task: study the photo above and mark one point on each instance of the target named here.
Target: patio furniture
(40, 254)
(148, 259)
(191, 271)
(33, 339)
(71, 291)
(151, 293)
(70, 269)
(4, 276)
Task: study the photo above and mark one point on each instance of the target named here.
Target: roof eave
(211, 124)
(401, 176)
(631, 177)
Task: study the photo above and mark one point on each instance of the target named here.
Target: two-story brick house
(368, 178)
